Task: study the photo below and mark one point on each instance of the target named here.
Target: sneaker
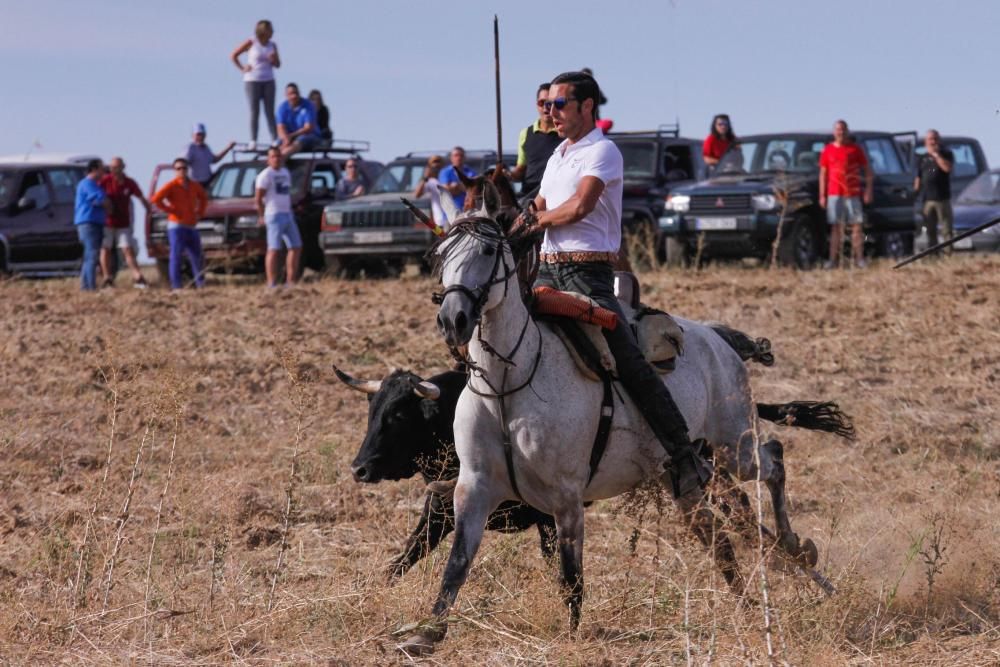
(861, 264)
(828, 264)
(140, 283)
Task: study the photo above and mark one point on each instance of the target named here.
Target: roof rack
(662, 130)
(474, 154)
(323, 148)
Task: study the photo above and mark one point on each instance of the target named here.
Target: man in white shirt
(579, 206)
(274, 210)
(430, 186)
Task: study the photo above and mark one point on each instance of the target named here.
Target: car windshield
(639, 158)
(237, 180)
(984, 190)
(399, 178)
(6, 187)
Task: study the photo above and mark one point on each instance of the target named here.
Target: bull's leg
(569, 530)
(436, 521)
(709, 529)
(473, 504)
(547, 535)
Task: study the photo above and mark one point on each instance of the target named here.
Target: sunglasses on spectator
(180, 167)
(351, 165)
(722, 123)
(559, 103)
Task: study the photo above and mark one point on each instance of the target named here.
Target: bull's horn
(367, 386)
(426, 389)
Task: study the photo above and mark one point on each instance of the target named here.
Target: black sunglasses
(179, 167)
(558, 103)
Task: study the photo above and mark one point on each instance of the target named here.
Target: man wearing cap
(184, 201)
(201, 158)
(579, 208)
(535, 145)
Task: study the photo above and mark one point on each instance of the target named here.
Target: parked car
(37, 235)
(970, 162)
(230, 235)
(376, 229)
(774, 178)
(656, 162)
(977, 204)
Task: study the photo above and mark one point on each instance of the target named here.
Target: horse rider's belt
(578, 257)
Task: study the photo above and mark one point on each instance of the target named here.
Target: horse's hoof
(416, 645)
(808, 553)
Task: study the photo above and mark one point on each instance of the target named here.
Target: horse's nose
(361, 474)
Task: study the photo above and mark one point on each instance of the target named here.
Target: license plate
(211, 239)
(716, 223)
(373, 237)
(964, 244)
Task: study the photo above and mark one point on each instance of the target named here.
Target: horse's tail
(814, 415)
(748, 348)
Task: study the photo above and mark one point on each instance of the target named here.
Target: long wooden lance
(496, 67)
(944, 244)
(422, 217)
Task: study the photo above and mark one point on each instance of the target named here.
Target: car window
(8, 181)
(323, 180)
(882, 156)
(985, 189)
(639, 158)
(224, 184)
(390, 180)
(965, 158)
(33, 186)
(677, 163)
(245, 187)
(64, 184)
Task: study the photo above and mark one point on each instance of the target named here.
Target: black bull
(410, 431)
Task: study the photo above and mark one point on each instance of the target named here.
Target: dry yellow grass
(159, 450)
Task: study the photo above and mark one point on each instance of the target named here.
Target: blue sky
(130, 78)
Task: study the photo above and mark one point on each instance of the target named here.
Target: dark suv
(655, 161)
(774, 178)
(377, 227)
(37, 234)
(230, 236)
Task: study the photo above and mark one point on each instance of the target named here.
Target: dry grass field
(175, 486)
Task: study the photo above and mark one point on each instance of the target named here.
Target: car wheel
(799, 247)
(896, 244)
(675, 252)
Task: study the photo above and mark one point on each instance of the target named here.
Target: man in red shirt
(840, 168)
(120, 189)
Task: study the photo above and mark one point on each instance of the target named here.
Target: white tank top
(259, 58)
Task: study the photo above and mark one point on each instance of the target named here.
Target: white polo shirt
(593, 155)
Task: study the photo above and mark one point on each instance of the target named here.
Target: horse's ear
(507, 195)
(491, 199)
(448, 205)
(466, 181)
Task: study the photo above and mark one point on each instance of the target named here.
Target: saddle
(659, 336)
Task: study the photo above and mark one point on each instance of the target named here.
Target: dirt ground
(151, 442)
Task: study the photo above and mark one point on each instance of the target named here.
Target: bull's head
(400, 436)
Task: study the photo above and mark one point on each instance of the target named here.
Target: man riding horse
(579, 208)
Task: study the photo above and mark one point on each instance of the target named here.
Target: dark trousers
(184, 241)
(643, 384)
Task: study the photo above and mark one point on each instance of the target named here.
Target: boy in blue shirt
(91, 209)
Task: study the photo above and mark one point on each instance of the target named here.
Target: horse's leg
(772, 473)
(709, 529)
(569, 529)
(473, 504)
(547, 534)
(436, 521)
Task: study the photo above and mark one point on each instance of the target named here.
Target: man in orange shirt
(184, 201)
(840, 167)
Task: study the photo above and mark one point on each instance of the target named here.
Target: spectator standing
(200, 156)
(933, 181)
(258, 76)
(120, 189)
(430, 186)
(449, 179)
(719, 140)
(89, 212)
(322, 115)
(535, 145)
(273, 196)
(297, 123)
(184, 201)
(352, 181)
(840, 167)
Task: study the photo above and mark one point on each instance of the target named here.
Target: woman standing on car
(258, 77)
(719, 140)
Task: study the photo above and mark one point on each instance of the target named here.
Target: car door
(65, 240)
(892, 203)
(33, 228)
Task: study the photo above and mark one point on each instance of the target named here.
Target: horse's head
(476, 194)
(476, 267)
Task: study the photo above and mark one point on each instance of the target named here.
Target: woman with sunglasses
(719, 140)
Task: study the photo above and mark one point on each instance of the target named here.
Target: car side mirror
(26, 204)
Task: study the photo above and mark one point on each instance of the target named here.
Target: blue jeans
(91, 236)
(184, 240)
